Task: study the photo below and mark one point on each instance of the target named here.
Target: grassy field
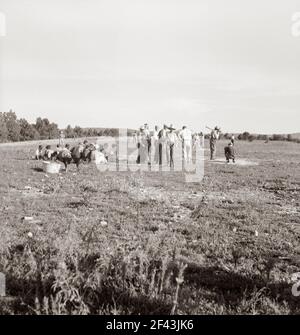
(148, 243)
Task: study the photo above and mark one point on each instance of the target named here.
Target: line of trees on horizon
(13, 129)
(246, 136)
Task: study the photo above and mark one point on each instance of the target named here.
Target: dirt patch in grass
(238, 162)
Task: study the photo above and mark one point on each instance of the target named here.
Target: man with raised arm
(214, 136)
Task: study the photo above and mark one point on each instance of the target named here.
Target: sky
(116, 63)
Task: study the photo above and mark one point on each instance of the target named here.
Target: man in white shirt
(186, 137)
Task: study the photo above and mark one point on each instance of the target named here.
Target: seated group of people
(83, 149)
(48, 153)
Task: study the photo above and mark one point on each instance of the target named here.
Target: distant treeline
(13, 129)
(90, 132)
(246, 136)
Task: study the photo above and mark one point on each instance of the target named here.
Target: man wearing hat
(214, 136)
(141, 145)
(171, 141)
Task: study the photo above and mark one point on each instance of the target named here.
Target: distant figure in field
(155, 144)
(186, 137)
(147, 135)
(87, 152)
(171, 142)
(214, 136)
(104, 157)
(65, 156)
(162, 145)
(56, 152)
(201, 139)
(61, 139)
(142, 146)
(195, 139)
(39, 153)
(134, 137)
(104, 150)
(48, 153)
(229, 152)
(232, 139)
(77, 153)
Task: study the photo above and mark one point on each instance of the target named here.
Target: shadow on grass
(23, 294)
(224, 287)
(231, 287)
(77, 204)
(38, 169)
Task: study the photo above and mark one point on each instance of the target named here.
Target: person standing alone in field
(155, 144)
(214, 136)
(61, 139)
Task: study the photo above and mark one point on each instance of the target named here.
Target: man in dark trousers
(162, 147)
(171, 142)
(141, 145)
(214, 136)
(148, 141)
(229, 152)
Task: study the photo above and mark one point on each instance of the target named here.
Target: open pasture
(91, 242)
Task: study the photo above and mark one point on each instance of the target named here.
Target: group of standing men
(163, 142)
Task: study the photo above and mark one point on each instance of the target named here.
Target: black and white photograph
(149, 159)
